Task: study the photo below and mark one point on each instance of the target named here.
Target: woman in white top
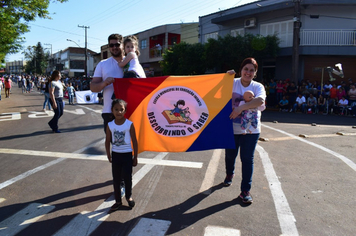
(245, 142)
(55, 88)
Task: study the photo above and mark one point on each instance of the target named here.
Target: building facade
(15, 67)
(314, 35)
(70, 62)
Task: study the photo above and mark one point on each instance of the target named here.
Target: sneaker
(228, 180)
(116, 206)
(246, 197)
(131, 202)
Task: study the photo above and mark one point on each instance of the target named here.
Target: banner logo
(177, 112)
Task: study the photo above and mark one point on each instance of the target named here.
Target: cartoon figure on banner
(178, 114)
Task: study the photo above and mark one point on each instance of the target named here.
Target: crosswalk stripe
(23, 218)
(221, 231)
(211, 172)
(28, 173)
(94, 219)
(150, 227)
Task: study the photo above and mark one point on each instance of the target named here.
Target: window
(236, 32)
(143, 43)
(105, 54)
(210, 36)
(284, 31)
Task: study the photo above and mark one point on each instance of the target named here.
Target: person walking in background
(46, 96)
(131, 64)
(56, 95)
(70, 91)
(24, 85)
(245, 142)
(120, 133)
(1, 84)
(8, 84)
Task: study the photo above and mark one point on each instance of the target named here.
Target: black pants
(107, 117)
(53, 123)
(122, 169)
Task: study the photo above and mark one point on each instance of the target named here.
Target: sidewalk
(271, 115)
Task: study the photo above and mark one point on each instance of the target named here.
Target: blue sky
(108, 16)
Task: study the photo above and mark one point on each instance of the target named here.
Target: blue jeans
(71, 98)
(57, 114)
(46, 101)
(302, 107)
(247, 143)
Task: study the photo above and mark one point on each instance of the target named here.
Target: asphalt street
(60, 184)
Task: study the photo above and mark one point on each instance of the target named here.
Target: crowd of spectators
(310, 97)
(28, 83)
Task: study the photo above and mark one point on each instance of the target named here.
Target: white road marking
(95, 218)
(96, 111)
(81, 156)
(210, 173)
(221, 231)
(150, 227)
(28, 173)
(346, 160)
(284, 213)
(10, 116)
(22, 219)
(2, 200)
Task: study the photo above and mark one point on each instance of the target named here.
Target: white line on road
(23, 218)
(221, 231)
(80, 156)
(92, 220)
(30, 172)
(346, 160)
(210, 173)
(150, 227)
(284, 213)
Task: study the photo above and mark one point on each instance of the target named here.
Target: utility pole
(51, 61)
(296, 33)
(86, 50)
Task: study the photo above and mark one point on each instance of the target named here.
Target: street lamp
(74, 42)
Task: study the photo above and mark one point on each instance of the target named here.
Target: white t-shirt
(300, 100)
(108, 68)
(134, 65)
(237, 97)
(343, 102)
(120, 136)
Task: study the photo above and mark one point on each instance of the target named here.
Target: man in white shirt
(105, 73)
(299, 103)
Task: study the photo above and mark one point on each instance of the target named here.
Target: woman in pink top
(7, 86)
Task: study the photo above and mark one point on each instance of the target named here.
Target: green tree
(37, 59)
(14, 18)
(184, 59)
(228, 52)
